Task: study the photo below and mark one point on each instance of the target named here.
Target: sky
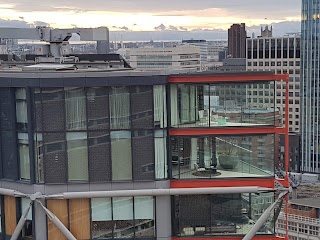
(126, 18)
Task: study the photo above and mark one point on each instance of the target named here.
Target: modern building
(203, 45)
(237, 35)
(105, 153)
(184, 57)
(303, 220)
(280, 55)
(310, 139)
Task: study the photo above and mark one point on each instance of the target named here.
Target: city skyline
(143, 15)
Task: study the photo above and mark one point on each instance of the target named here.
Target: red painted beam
(226, 131)
(228, 78)
(227, 182)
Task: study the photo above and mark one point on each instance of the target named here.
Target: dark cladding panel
(9, 155)
(99, 156)
(7, 108)
(53, 109)
(37, 110)
(55, 157)
(142, 107)
(98, 108)
(143, 155)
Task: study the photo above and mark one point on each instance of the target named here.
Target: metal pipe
(20, 224)
(159, 192)
(263, 218)
(11, 192)
(58, 223)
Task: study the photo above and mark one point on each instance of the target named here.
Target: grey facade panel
(55, 157)
(143, 155)
(142, 107)
(9, 155)
(99, 156)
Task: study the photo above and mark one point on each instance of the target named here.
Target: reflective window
(223, 214)
(21, 110)
(27, 230)
(77, 150)
(160, 146)
(24, 159)
(222, 156)
(160, 106)
(121, 155)
(220, 105)
(122, 217)
(75, 109)
(119, 104)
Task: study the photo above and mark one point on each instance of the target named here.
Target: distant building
(103, 47)
(237, 41)
(281, 55)
(203, 45)
(171, 58)
(304, 220)
(266, 32)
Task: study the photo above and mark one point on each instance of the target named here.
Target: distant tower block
(103, 47)
(266, 32)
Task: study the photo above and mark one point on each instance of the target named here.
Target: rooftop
(308, 202)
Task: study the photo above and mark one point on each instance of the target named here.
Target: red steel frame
(263, 182)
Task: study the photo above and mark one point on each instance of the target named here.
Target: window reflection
(222, 105)
(223, 156)
(223, 214)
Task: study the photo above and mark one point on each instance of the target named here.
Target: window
(27, 230)
(119, 104)
(160, 151)
(122, 217)
(75, 109)
(121, 155)
(21, 110)
(77, 156)
(24, 159)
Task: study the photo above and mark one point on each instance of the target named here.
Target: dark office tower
(310, 114)
(237, 41)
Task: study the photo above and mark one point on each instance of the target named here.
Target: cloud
(183, 28)
(244, 7)
(161, 27)
(173, 28)
(121, 28)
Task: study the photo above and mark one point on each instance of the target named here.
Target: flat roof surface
(308, 202)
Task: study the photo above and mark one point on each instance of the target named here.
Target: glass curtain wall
(223, 156)
(122, 217)
(119, 99)
(222, 105)
(223, 214)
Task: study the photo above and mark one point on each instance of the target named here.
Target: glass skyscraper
(310, 86)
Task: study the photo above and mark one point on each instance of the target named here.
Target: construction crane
(58, 49)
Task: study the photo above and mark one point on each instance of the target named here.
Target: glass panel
(75, 109)
(27, 232)
(24, 159)
(223, 156)
(123, 217)
(121, 155)
(21, 110)
(77, 156)
(160, 145)
(38, 145)
(160, 109)
(223, 105)
(144, 216)
(119, 108)
(102, 224)
(223, 214)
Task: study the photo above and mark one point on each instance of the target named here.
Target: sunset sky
(147, 15)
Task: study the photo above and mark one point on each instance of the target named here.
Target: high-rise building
(266, 32)
(237, 35)
(280, 55)
(310, 88)
(98, 153)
